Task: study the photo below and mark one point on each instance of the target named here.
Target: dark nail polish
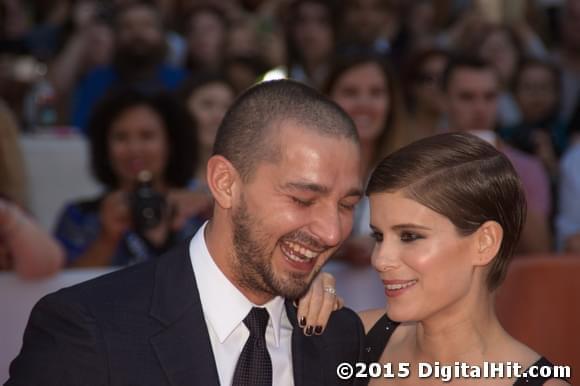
(318, 330)
(302, 321)
(308, 331)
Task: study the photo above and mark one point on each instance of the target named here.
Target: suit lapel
(306, 361)
(183, 346)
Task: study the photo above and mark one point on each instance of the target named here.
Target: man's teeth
(393, 287)
(298, 252)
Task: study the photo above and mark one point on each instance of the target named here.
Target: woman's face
(537, 93)
(500, 51)
(137, 142)
(427, 90)
(208, 104)
(423, 262)
(206, 38)
(312, 32)
(362, 93)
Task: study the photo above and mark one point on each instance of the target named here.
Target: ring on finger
(330, 290)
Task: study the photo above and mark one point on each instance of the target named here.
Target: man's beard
(253, 261)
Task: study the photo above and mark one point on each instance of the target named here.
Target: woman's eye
(378, 237)
(409, 237)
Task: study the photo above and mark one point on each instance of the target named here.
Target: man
(285, 179)
(140, 47)
(471, 89)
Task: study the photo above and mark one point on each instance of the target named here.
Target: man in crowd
(471, 88)
(140, 48)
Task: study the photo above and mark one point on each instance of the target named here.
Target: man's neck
(222, 254)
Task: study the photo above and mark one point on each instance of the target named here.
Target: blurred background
(109, 109)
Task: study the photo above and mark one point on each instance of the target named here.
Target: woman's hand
(320, 301)
(115, 216)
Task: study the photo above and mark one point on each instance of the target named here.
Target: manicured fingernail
(302, 321)
(318, 330)
(308, 331)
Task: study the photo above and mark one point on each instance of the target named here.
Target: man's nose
(327, 226)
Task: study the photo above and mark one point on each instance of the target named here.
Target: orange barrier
(539, 304)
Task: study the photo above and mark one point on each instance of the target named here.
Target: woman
(424, 95)
(365, 87)
(207, 97)
(134, 135)
(446, 214)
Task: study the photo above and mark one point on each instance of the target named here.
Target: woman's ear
(222, 178)
(488, 237)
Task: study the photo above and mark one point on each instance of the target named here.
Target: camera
(147, 205)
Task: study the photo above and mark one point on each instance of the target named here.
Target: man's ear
(222, 180)
(488, 238)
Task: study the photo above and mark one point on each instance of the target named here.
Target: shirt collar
(224, 306)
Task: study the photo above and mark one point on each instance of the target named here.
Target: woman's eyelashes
(404, 236)
(408, 236)
(377, 236)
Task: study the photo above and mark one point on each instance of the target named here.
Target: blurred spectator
(207, 96)
(368, 26)
(471, 88)
(365, 87)
(206, 36)
(501, 47)
(310, 40)
(130, 132)
(89, 46)
(24, 246)
(540, 132)
(424, 96)
(568, 218)
(569, 57)
(140, 49)
(244, 71)
(12, 174)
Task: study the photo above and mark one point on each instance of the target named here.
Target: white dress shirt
(225, 308)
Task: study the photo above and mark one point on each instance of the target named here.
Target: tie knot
(257, 321)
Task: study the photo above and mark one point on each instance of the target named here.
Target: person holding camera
(142, 147)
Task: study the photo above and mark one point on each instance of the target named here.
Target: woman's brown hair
(464, 179)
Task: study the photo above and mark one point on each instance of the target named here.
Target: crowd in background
(148, 82)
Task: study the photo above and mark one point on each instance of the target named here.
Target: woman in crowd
(446, 215)
(424, 95)
(207, 97)
(135, 135)
(365, 87)
(24, 246)
(541, 132)
(310, 41)
(206, 37)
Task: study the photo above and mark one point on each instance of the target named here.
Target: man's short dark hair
(245, 135)
(463, 63)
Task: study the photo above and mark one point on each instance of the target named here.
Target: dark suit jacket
(144, 326)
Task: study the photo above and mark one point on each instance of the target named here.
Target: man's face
(472, 99)
(139, 33)
(294, 213)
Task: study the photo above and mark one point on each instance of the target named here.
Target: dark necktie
(254, 366)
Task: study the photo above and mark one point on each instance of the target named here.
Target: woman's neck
(465, 332)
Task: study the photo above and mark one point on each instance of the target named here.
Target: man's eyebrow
(310, 186)
(317, 188)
